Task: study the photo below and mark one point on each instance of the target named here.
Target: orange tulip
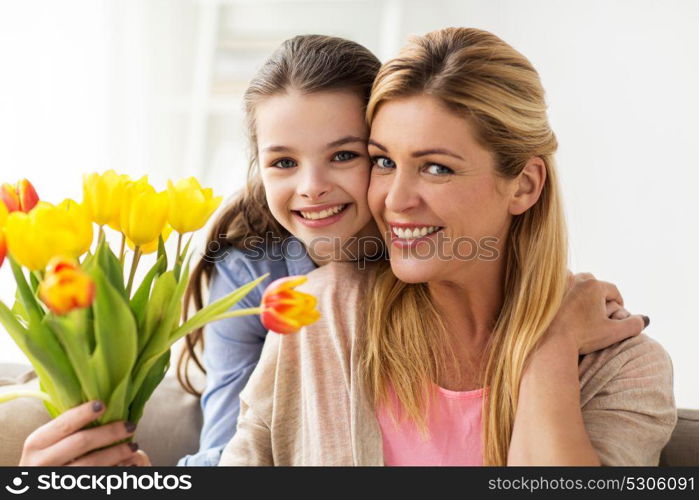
(66, 287)
(285, 310)
(21, 197)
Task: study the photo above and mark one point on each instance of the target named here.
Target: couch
(172, 420)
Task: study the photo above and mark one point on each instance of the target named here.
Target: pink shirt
(454, 424)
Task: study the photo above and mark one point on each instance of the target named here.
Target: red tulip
(21, 197)
(285, 310)
(66, 287)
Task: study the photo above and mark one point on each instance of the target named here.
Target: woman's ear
(528, 186)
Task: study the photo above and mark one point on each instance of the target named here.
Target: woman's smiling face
(434, 190)
(315, 166)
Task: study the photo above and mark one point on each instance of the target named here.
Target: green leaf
(47, 357)
(111, 267)
(72, 331)
(152, 380)
(157, 306)
(160, 341)
(28, 299)
(140, 298)
(116, 337)
(16, 330)
(53, 411)
(20, 335)
(117, 403)
(206, 314)
(34, 281)
(19, 310)
(53, 366)
(161, 250)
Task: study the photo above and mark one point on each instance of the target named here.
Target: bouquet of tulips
(88, 329)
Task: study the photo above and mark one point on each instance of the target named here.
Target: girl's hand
(592, 315)
(63, 442)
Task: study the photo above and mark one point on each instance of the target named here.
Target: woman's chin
(413, 271)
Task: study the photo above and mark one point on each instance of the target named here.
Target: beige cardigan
(304, 404)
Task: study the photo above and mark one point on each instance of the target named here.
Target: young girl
(305, 205)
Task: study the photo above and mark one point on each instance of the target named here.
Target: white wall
(83, 83)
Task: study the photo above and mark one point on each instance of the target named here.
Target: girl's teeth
(407, 234)
(323, 214)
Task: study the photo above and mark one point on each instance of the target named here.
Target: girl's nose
(314, 184)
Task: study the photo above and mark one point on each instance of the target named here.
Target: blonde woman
(450, 355)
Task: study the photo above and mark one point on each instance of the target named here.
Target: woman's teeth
(418, 232)
(323, 214)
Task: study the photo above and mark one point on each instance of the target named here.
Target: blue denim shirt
(232, 346)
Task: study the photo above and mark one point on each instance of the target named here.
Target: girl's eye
(437, 169)
(383, 162)
(284, 163)
(345, 156)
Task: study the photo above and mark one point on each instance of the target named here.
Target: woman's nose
(313, 184)
(402, 193)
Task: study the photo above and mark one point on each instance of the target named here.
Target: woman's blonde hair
(304, 63)
(481, 78)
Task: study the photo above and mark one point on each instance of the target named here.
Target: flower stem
(121, 250)
(179, 245)
(9, 396)
(238, 312)
(134, 265)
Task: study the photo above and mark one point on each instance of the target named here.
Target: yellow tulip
(144, 212)
(190, 204)
(74, 230)
(3, 240)
(153, 245)
(103, 196)
(47, 231)
(65, 286)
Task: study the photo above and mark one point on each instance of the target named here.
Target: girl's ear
(528, 186)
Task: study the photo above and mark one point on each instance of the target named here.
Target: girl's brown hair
(483, 79)
(305, 63)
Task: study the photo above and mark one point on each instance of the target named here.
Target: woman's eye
(284, 163)
(345, 156)
(383, 162)
(437, 169)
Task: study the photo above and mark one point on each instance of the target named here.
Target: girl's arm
(549, 428)
(232, 350)
(252, 442)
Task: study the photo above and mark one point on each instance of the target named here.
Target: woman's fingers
(82, 442)
(108, 457)
(610, 291)
(626, 328)
(620, 314)
(616, 311)
(612, 307)
(64, 425)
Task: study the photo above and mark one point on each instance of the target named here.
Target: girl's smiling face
(315, 167)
